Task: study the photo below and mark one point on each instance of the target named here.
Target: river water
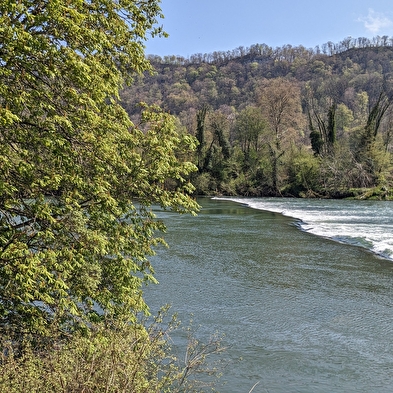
(301, 289)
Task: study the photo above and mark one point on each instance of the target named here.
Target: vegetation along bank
(282, 121)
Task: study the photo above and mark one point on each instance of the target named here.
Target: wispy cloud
(374, 22)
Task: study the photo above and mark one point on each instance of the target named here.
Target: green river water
(304, 313)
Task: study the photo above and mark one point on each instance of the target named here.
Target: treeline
(286, 52)
(290, 121)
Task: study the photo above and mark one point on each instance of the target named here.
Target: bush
(126, 358)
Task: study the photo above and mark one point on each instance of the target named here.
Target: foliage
(341, 95)
(127, 358)
(249, 129)
(200, 135)
(280, 103)
(77, 176)
(303, 173)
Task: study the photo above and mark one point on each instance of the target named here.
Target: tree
(250, 124)
(279, 100)
(345, 118)
(77, 176)
(321, 100)
(326, 136)
(374, 119)
(218, 152)
(370, 153)
(200, 135)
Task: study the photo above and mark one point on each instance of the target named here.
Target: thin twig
(257, 383)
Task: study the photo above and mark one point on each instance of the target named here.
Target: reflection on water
(306, 314)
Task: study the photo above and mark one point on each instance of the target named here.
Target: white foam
(368, 225)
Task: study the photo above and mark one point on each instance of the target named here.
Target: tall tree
(370, 153)
(327, 131)
(73, 243)
(374, 119)
(200, 135)
(280, 103)
(250, 125)
(321, 103)
(218, 151)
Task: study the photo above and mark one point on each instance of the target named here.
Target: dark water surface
(305, 313)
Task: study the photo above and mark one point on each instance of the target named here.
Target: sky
(205, 26)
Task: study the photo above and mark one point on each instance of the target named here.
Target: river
(301, 289)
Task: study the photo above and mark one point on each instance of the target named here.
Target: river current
(301, 289)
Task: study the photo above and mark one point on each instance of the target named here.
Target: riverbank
(375, 193)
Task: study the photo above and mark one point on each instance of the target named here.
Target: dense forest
(282, 121)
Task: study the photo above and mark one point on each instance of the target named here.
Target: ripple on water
(306, 314)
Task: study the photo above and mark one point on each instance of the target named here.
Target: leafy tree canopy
(73, 244)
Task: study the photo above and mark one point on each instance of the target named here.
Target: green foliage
(303, 173)
(370, 152)
(344, 118)
(323, 139)
(374, 121)
(77, 182)
(249, 128)
(218, 126)
(77, 176)
(204, 184)
(280, 103)
(331, 127)
(125, 358)
(272, 98)
(316, 140)
(200, 134)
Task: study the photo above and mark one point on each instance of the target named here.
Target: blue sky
(205, 26)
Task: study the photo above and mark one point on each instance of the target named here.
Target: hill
(283, 121)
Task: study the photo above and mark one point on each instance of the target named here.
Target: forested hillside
(282, 121)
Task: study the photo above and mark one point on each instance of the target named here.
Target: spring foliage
(130, 358)
(73, 243)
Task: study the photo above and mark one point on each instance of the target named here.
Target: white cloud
(374, 22)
